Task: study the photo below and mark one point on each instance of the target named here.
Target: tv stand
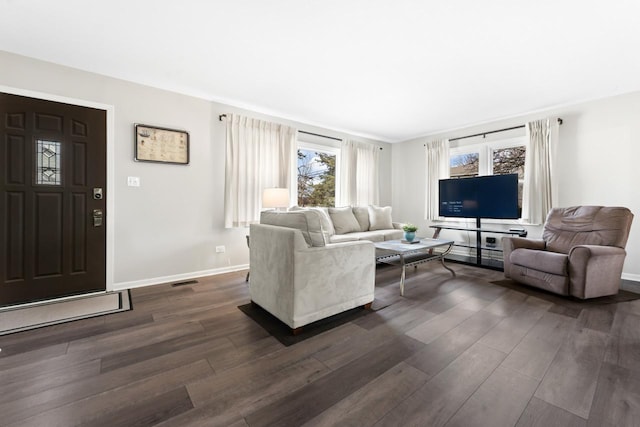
(520, 232)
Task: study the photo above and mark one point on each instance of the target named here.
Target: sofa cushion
(344, 221)
(372, 236)
(550, 262)
(341, 238)
(362, 216)
(391, 234)
(307, 221)
(380, 218)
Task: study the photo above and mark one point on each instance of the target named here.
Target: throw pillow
(343, 220)
(380, 218)
(327, 226)
(362, 215)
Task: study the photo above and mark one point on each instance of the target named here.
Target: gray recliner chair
(581, 252)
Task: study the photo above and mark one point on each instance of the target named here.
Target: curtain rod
(222, 116)
(483, 134)
(321, 136)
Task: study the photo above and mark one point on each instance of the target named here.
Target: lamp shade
(275, 198)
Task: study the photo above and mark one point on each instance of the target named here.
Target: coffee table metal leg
(453, 273)
(402, 275)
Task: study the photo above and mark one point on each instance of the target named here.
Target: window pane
(316, 178)
(464, 165)
(48, 163)
(509, 160)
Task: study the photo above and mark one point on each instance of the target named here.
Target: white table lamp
(275, 198)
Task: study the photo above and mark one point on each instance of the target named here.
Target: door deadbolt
(97, 217)
(97, 193)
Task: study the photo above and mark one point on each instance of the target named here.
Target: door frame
(110, 200)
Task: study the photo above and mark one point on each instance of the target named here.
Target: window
(490, 158)
(316, 175)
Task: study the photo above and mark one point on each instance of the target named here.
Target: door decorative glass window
(48, 163)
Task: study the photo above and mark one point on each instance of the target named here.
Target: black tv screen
(492, 196)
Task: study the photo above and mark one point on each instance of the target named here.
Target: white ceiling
(391, 70)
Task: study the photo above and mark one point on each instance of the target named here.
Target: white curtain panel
(348, 168)
(536, 196)
(259, 155)
(359, 174)
(437, 161)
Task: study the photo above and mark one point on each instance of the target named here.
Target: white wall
(168, 228)
(598, 163)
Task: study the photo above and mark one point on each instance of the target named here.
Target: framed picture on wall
(155, 144)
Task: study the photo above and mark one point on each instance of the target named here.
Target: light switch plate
(133, 181)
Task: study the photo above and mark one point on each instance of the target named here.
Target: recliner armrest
(509, 244)
(521, 242)
(595, 270)
(595, 250)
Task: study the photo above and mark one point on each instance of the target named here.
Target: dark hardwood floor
(454, 351)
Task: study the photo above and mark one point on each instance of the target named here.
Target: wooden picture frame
(156, 144)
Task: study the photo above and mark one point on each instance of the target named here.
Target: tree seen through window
(509, 160)
(316, 178)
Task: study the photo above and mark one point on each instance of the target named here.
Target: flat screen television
(492, 196)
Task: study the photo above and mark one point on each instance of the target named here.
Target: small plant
(410, 228)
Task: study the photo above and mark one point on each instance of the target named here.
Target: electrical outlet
(220, 249)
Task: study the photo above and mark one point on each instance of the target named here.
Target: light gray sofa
(299, 277)
(581, 252)
(346, 224)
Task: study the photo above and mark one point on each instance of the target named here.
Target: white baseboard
(216, 271)
(177, 277)
(632, 277)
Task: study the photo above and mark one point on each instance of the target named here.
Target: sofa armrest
(299, 283)
(346, 265)
(332, 278)
(509, 244)
(271, 283)
(595, 270)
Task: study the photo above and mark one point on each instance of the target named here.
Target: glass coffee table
(395, 252)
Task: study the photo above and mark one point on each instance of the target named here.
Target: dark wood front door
(52, 226)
